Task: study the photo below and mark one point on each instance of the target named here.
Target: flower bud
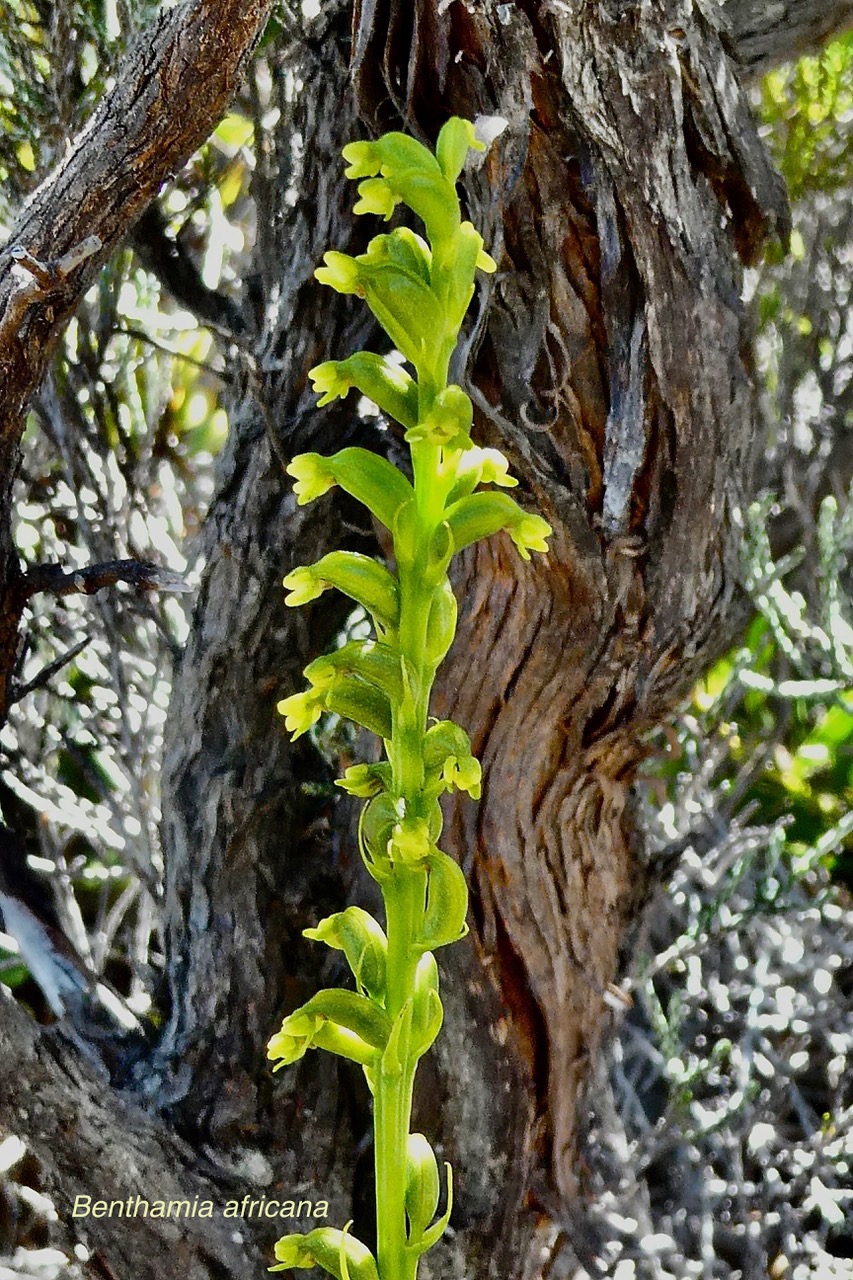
(447, 903)
(362, 941)
(441, 623)
(365, 780)
(455, 140)
(427, 1013)
(378, 819)
(422, 1185)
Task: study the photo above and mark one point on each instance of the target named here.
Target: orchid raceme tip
(418, 289)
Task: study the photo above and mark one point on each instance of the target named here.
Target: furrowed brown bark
(609, 360)
(92, 1142)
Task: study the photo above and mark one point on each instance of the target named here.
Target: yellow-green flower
(302, 710)
(294, 1038)
(361, 158)
(330, 381)
(302, 585)
(376, 196)
(464, 773)
(494, 469)
(364, 779)
(410, 842)
(311, 473)
(530, 534)
(448, 421)
(341, 272)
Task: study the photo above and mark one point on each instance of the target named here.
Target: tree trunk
(609, 359)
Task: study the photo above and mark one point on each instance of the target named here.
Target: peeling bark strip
(170, 92)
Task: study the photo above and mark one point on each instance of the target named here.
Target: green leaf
(371, 661)
(447, 903)
(368, 477)
(435, 1232)
(404, 249)
(456, 139)
(362, 941)
(363, 703)
(352, 1011)
(408, 311)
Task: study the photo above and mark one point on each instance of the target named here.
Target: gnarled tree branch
(169, 94)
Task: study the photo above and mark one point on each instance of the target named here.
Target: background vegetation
(727, 1112)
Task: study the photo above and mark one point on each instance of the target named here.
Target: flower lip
(301, 711)
(530, 533)
(362, 160)
(312, 475)
(376, 196)
(341, 272)
(329, 381)
(302, 585)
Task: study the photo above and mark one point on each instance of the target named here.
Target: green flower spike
(418, 289)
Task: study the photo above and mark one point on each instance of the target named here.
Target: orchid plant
(419, 291)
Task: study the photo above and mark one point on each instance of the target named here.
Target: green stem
(404, 897)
